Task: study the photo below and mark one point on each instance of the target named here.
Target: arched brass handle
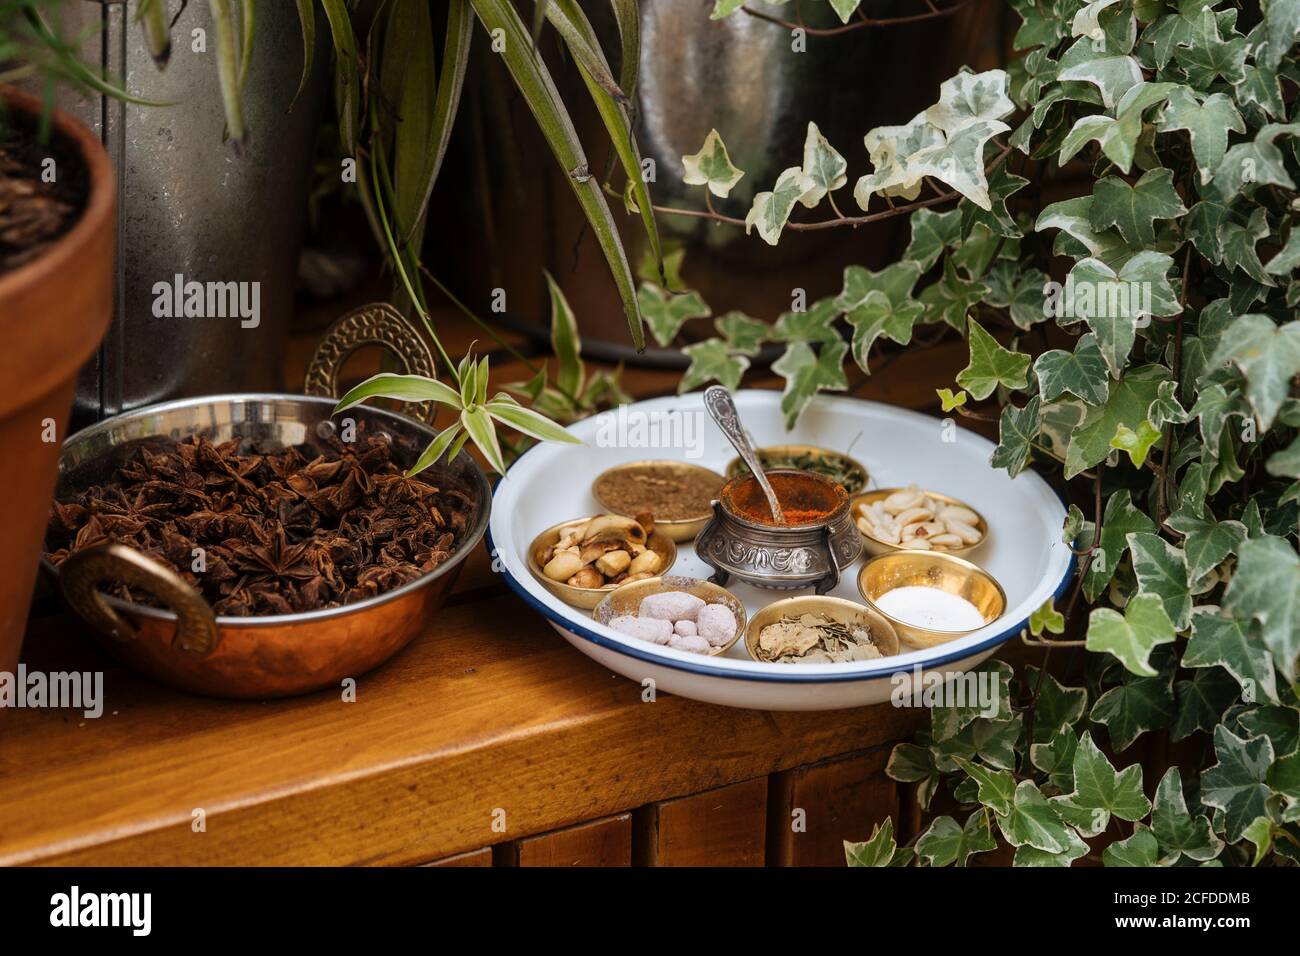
(83, 571)
(375, 324)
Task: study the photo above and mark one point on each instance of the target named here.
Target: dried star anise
(279, 530)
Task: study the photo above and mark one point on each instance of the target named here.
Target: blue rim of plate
(704, 669)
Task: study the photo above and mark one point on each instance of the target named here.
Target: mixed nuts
(603, 551)
(911, 518)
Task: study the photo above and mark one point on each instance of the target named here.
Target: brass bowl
(874, 546)
(737, 467)
(883, 632)
(588, 598)
(933, 569)
(627, 598)
(183, 643)
(682, 529)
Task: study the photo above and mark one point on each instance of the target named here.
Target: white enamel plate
(552, 483)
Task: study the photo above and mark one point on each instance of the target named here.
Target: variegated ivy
(1139, 333)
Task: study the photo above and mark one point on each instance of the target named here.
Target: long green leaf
(152, 16)
(628, 18)
(307, 21)
(583, 45)
(507, 410)
(451, 81)
(247, 32)
(564, 342)
(77, 70)
(409, 82)
(434, 451)
(484, 435)
(404, 388)
(534, 82)
(223, 23)
(347, 91)
(616, 117)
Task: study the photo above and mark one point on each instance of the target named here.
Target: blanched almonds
(601, 552)
(910, 518)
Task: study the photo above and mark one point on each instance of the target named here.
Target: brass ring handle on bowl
(375, 324)
(83, 571)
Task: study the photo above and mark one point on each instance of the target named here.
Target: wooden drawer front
(605, 842)
(815, 809)
(725, 827)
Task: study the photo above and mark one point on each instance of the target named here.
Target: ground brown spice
(671, 492)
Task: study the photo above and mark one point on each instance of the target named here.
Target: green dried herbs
(815, 639)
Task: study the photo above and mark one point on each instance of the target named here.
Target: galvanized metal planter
(190, 207)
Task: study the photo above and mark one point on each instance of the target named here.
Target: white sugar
(931, 608)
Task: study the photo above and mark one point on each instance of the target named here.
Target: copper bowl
(187, 646)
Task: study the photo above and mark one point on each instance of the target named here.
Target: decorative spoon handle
(718, 401)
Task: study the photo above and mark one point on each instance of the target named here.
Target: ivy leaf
(1082, 372)
(1202, 224)
(1280, 724)
(1236, 784)
(1058, 706)
(743, 334)
(1238, 243)
(806, 373)
(1281, 27)
(816, 324)
(909, 763)
(1032, 821)
(1118, 135)
(877, 851)
(951, 297)
(1176, 831)
(1207, 542)
(666, 312)
(1032, 856)
(1127, 404)
(1112, 75)
(711, 166)
(944, 842)
(991, 365)
(1202, 698)
(823, 167)
(1056, 758)
(1136, 443)
(1161, 571)
(948, 720)
(997, 219)
(1073, 526)
(997, 788)
(1266, 588)
(1268, 355)
(1100, 788)
(1220, 641)
(1121, 519)
(1140, 849)
(1131, 636)
(1134, 209)
(932, 233)
(771, 210)
(845, 8)
(1256, 163)
(874, 316)
(1166, 410)
(712, 361)
(1209, 56)
(896, 281)
(1046, 618)
(969, 99)
(1018, 290)
(1284, 777)
(1137, 705)
(1017, 430)
(1114, 303)
(950, 402)
(1207, 123)
(725, 8)
(1074, 218)
(1287, 260)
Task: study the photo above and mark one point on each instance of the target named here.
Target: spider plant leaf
(152, 16)
(223, 24)
(628, 17)
(247, 30)
(347, 82)
(483, 433)
(615, 114)
(534, 82)
(539, 20)
(451, 81)
(72, 66)
(481, 382)
(434, 451)
(467, 373)
(307, 21)
(409, 81)
(569, 21)
(564, 342)
(509, 412)
(404, 388)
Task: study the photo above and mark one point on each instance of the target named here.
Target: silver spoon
(718, 401)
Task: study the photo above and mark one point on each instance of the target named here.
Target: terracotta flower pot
(53, 312)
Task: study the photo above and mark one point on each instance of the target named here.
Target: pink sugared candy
(670, 606)
(685, 629)
(645, 628)
(716, 624)
(695, 644)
